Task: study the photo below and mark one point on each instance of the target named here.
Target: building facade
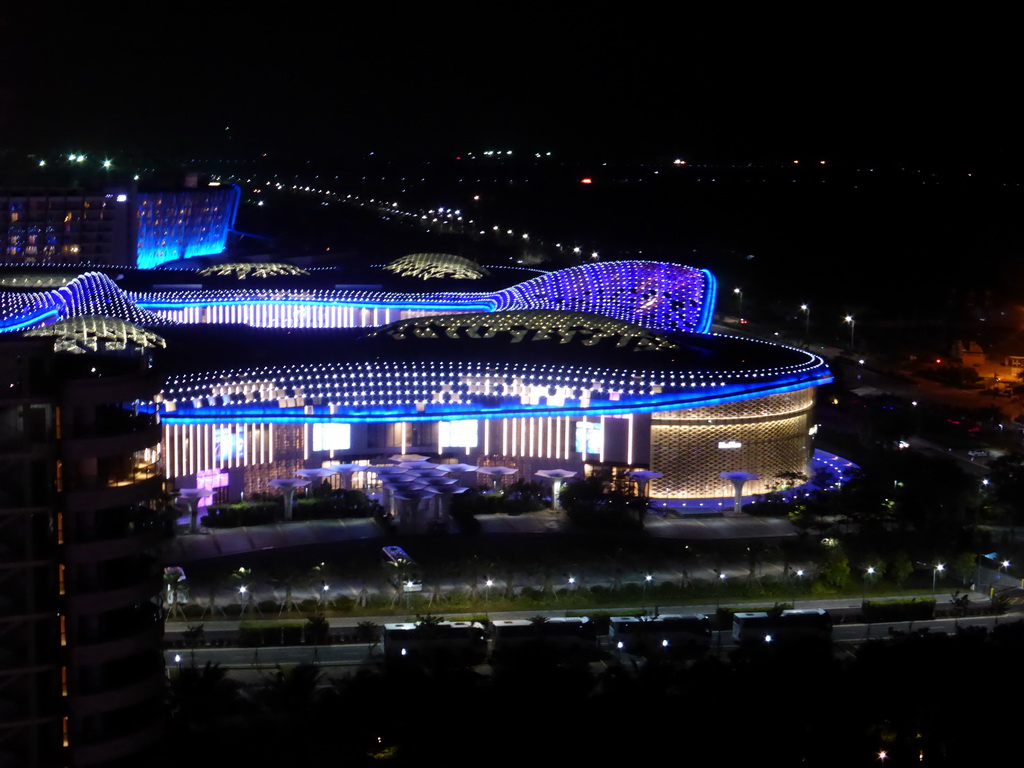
(606, 364)
(81, 675)
(116, 226)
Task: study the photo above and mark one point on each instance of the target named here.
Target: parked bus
(460, 640)
(401, 569)
(558, 634)
(660, 633)
(760, 626)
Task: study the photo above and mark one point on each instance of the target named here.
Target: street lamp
(799, 575)
(718, 608)
(853, 325)
(806, 309)
(739, 299)
(868, 573)
(647, 580)
(939, 568)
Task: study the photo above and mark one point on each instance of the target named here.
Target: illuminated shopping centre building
(117, 381)
(602, 364)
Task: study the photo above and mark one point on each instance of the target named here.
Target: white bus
(660, 633)
(558, 633)
(762, 627)
(463, 640)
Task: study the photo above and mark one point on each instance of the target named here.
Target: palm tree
(292, 695)
(509, 592)
(201, 697)
(288, 601)
(194, 636)
(174, 588)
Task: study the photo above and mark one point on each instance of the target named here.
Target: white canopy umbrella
(387, 469)
(315, 473)
(459, 467)
(738, 480)
(643, 478)
(309, 474)
(190, 497)
(420, 466)
(346, 471)
(412, 498)
(497, 473)
(288, 486)
(557, 477)
(408, 457)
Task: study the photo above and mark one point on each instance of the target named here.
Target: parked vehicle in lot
(763, 627)
(557, 634)
(459, 640)
(645, 635)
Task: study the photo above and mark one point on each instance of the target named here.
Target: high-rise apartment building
(81, 675)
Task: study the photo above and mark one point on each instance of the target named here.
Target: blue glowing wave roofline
(474, 305)
(708, 309)
(655, 295)
(47, 314)
(450, 412)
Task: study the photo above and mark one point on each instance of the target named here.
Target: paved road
(266, 660)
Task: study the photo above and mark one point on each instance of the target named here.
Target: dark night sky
(514, 75)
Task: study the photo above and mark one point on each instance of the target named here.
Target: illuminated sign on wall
(331, 436)
(728, 444)
(210, 479)
(228, 443)
(457, 434)
(589, 437)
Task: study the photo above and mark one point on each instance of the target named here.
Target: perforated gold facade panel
(766, 436)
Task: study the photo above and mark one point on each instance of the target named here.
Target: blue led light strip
(448, 412)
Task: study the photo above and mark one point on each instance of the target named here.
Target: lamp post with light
(869, 572)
